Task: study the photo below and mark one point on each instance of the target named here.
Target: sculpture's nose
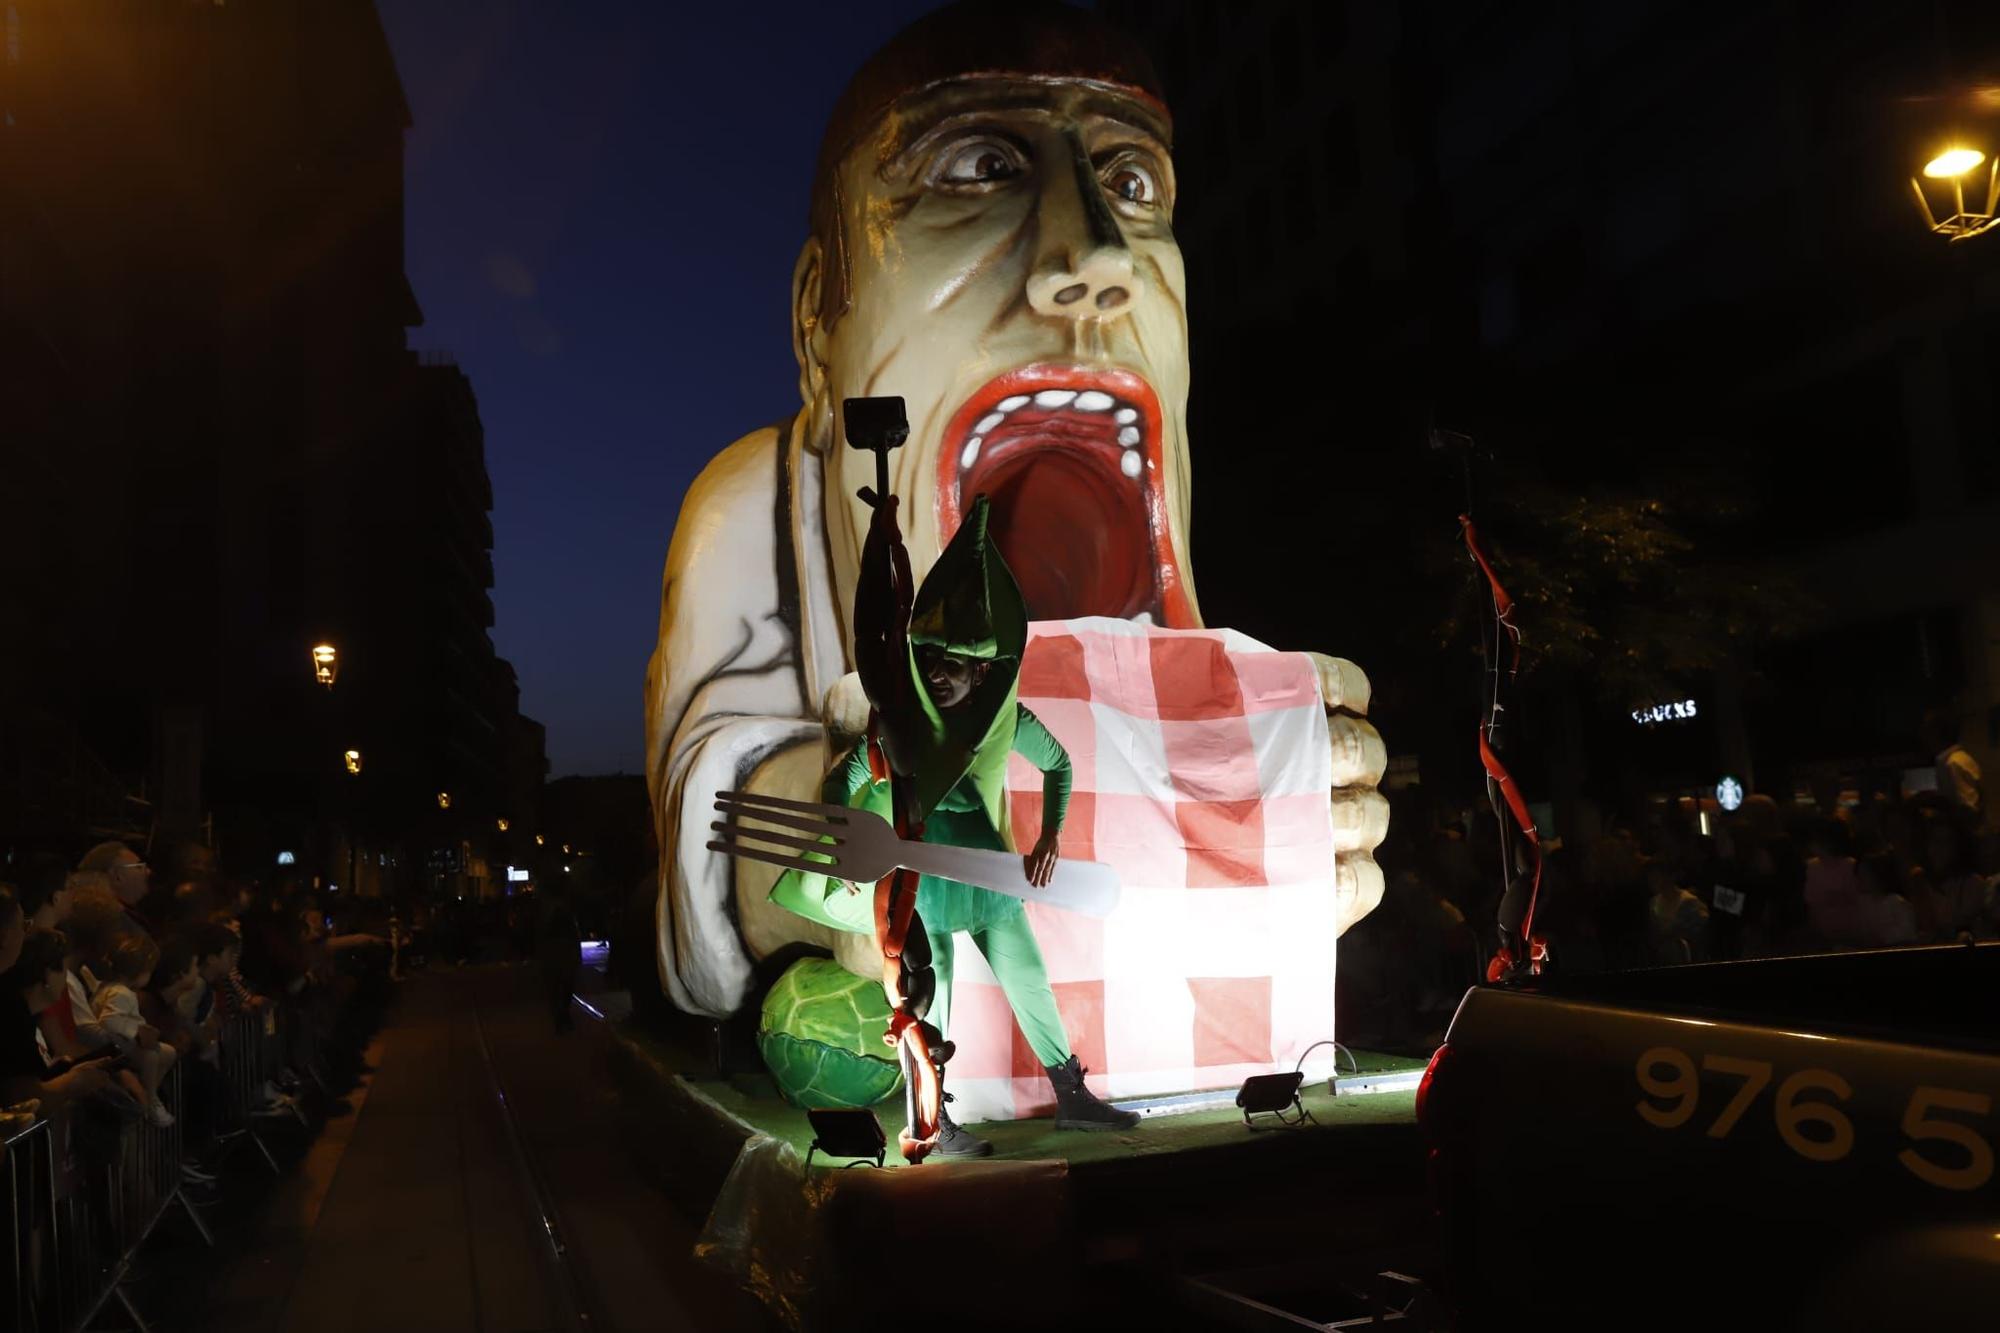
(1083, 269)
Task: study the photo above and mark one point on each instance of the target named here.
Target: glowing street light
(353, 761)
(502, 824)
(1954, 164)
(444, 800)
(326, 663)
(539, 840)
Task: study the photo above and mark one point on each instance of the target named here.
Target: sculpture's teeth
(1130, 436)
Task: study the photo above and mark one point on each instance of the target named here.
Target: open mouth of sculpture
(1070, 460)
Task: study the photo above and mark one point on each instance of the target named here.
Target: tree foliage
(1632, 595)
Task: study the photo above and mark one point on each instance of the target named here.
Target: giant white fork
(861, 847)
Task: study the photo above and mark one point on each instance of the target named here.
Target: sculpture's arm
(725, 696)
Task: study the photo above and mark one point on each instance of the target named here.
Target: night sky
(604, 203)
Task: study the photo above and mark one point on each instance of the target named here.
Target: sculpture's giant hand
(1360, 812)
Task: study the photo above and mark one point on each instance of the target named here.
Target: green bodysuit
(968, 605)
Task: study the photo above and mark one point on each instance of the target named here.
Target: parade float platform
(1053, 1220)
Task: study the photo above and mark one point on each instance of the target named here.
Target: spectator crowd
(1681, 883)
(135, 1002)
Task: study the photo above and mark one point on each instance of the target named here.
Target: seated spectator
(1950, 896)
(13, 928)
(43, 890)
(216, 951)
(168, 1004)
(1834, 905)
(1676, 921)
(131, 965)
(130, 880)
(26, 989)
(1885, 916)
(234, 992)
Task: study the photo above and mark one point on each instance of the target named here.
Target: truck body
(1788, 1142)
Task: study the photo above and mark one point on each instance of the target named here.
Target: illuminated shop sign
(1682, 711)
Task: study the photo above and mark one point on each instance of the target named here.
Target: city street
(420, 1209)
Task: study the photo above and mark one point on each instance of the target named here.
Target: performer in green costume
(968, 628)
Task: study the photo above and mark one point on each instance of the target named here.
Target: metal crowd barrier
(252, 1052)
(77, 1212)
(75, 1218)
(32, 1297)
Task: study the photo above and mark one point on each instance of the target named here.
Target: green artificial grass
(754, 1100)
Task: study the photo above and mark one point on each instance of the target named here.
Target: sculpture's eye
(978, 162)
(1133, 183)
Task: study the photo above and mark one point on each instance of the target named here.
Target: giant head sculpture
(991, 238)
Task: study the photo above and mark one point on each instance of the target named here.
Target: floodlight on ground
(1274, 1095)
(855, 1134)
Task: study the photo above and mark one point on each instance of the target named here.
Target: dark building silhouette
(220, 451)
(1612, 243)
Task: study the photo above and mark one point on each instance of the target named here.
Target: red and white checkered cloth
(1203, 774)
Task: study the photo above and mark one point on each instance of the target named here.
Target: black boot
(1077, 1107)
(955, 1140)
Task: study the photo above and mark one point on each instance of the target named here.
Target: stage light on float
(855, 1134)
(1273, 1095)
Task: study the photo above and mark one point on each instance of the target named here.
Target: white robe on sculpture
(735, 681)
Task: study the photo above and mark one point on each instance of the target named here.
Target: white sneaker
(160, 1115)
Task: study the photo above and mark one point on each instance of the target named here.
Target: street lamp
(502, 824)
(540, 840)
(444, 800)
(1954, 164)
(353, 761)
(326, 663)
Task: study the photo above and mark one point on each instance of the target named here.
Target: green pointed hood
(970, 605)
